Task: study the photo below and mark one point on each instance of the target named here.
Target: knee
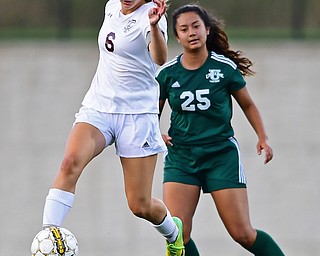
(139, 207)
(245, 237)
(69, 166)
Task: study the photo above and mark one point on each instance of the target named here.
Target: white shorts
(134, 135)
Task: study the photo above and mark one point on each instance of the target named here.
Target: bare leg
(232, 205)
(84, 143)
(233, 208)
(182, 200)
(138, 179)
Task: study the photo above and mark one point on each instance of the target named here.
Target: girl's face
(191, 31)
(129, 6)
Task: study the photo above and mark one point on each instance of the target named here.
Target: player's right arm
(158, 44)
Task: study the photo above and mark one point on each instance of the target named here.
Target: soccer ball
(54, 241)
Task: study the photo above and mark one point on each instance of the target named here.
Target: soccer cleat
(176, 248)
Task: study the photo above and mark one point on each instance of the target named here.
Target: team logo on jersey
(129, 25)
(214, 75)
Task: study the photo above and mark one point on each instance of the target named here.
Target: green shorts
(211, 167)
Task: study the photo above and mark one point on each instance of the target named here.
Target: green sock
(191, 249)
(265, 246)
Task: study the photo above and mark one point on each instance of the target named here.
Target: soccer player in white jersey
(121, 107)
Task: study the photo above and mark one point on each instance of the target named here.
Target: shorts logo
(146, 145)
(214, 75)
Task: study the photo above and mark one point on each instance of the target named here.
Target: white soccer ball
(54, 241)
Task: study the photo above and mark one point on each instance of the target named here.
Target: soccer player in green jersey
(202, 151)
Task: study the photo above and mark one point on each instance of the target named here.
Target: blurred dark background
(65, 19)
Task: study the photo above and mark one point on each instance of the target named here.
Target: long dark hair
(217, 39)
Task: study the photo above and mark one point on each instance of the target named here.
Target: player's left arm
(158, 44)
(253, 115)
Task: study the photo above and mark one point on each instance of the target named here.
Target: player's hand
(268, 152)
(167, 139)
(156, 13)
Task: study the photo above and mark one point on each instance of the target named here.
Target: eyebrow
(193, 23)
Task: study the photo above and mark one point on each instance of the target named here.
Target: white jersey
(124, 82)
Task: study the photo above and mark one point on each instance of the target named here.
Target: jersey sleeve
(236, 81)
(110, 4)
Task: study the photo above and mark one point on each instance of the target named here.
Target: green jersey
(200, 99)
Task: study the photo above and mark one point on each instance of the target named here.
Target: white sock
(57, 205)
(168, 228)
